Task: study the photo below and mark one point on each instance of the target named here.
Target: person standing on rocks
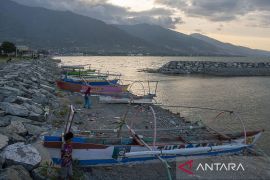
(66, 157)
(87, 102)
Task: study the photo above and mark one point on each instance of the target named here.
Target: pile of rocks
(216, 68)
(27, 90)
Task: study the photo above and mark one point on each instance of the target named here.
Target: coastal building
(24, 51)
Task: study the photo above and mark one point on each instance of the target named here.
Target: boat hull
(99, 155)
(94, 89)
(92, 82)
(148, 99)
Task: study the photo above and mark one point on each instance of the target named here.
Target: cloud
(217, 10)
(109, 13)
(168, 22)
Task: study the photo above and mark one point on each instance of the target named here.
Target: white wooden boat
(105, 151)
(107, 147)
(127, 98)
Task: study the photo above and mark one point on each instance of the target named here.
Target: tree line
(7, 48)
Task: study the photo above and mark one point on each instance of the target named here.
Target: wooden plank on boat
(143, 130)
(58, 145)
(73, 67)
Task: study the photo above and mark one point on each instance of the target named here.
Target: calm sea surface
(249, 96)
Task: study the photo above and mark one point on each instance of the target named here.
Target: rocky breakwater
(216, 68)
(27, 92)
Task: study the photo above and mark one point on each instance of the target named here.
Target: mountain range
(64, 31)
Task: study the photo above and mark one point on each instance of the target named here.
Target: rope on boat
(129, 88)
(136, 137)
(142, 142)
(244, 127)
(155, 126)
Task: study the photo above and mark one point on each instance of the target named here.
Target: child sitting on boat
(66, 157)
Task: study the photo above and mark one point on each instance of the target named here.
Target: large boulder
(3, 141)
(22, 154)
(14, 109)
(15, 173)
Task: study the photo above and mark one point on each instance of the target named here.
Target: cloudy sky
(241, 22)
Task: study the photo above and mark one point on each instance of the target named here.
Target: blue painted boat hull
(93, 83)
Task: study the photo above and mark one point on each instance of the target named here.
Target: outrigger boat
(105, 148)
(100, 89)
(126, 98)
(91, 82)
(129, 98)
(77, 69)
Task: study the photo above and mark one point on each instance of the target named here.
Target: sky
(241, 22)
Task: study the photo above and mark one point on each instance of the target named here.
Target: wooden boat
(102, 147)
(106, 151)
(106, 89)
(91, 82)
(126, 98)
(72, 67)
(89, 76)
(80, 72)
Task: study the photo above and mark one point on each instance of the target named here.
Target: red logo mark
(189, 167)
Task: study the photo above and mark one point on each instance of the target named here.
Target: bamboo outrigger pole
(141, 142)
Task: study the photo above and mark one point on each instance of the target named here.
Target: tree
(8, 47)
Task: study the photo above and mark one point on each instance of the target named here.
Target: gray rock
(23, 100)
(4, 121)
(14, 109)
(17, 118)
(40, 98)
(48, 88)
(14, 138)
(18, 127)
(33, 79)
(17, 172)
(33, 108)
(39, 174)
(10, 99)
(2, 162)
(32, 129)
(7, 91)
(36, 117)
(22, 154)
(3, 141)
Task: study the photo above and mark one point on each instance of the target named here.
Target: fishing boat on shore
(126, 98)
(106, 147)
(95, 89)
(91, 82)
(111, 151)
(130, 98)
